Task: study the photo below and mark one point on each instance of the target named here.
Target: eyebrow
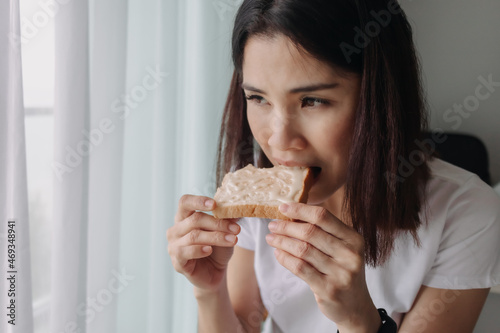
(314, 87)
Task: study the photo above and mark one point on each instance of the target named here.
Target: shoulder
(451, 187)
(442, 171)
(460, 202)
(463, 225)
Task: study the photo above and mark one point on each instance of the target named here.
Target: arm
(236, 306)
(244, 289)
(443, 310)
(200, 248)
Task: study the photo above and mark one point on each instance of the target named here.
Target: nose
(285, 133)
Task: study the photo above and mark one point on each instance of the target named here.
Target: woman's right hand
(200, 245)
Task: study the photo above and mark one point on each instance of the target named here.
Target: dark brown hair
(390, 118)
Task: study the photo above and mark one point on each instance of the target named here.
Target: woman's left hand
(329, 256)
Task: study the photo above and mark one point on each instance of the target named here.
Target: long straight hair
(371, 38)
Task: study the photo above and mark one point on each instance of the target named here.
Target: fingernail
(230, 238)
(234, 228)
(209, 203)
(283, 208)
(269, 237)
(272, 226)
(206, 249)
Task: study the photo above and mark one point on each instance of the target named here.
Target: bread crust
(263, 211)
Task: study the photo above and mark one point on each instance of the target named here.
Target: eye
(259, 100)
(312, 102)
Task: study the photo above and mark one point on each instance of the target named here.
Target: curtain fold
(71, 167)
(107, 24)
(141, 85)
(15, 284)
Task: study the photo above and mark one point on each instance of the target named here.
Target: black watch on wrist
(388, 324)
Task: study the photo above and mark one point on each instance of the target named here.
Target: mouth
(316, 171)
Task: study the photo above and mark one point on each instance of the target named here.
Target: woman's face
(301, 112)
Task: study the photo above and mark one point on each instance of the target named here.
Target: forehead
(277, 59)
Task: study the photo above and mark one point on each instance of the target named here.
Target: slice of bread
(253, 192)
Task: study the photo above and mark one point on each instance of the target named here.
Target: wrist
(369, 323)
(387, 324)
(202, 294)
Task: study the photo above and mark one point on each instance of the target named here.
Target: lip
(290, 163)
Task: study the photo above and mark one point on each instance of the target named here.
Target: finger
(318, 216)
(185, 253)
(211, 238)
(300, 268)
(302, 250)
(312, 234)
(188, 204)
(203, 221)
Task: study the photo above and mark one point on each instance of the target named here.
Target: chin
(316, 199)
(320, 194)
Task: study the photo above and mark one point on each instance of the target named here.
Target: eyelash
(313, 99)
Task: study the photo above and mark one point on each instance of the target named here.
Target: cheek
(333, 140)
(259, 127)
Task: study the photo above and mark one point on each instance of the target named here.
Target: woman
(335, 85)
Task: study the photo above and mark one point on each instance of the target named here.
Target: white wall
(459, 41)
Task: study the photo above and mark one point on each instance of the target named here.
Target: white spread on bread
(251, 185)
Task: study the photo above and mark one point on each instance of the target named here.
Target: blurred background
(155, 75)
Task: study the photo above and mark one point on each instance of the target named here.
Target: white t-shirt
(460, 249)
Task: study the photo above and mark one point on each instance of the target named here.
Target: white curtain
(15, 282)
(139, 91)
